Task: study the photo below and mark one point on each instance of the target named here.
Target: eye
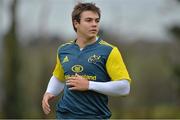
(91, 20)
(88, 20)
(97, 20)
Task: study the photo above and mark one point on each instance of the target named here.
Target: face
(88, 27)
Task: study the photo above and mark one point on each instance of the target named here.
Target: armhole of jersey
(58, 71)
(116, 67)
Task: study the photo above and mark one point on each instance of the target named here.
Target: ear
(76, 24)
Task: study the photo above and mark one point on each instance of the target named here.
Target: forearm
(55, 86)
(112, 88)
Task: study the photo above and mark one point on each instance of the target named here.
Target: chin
(92, 35)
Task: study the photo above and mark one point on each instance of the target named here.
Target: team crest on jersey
(77, 68)
(94, 58)
(66, 59)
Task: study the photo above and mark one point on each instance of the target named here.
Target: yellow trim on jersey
(58, 71)
(105, 43)
(116, 67)
(70, 42)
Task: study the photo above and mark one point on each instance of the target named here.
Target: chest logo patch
(94, 58)
(66, 59)
(77, 68)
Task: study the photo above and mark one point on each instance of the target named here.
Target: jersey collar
(97, 41)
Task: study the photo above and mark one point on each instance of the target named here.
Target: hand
(77, 83)
(45, 102)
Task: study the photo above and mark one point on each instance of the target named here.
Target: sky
(130, 18)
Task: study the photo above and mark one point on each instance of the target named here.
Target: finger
(73, 88)
(46, 109)
(77, 75)
(46, 112)
(46, 105)
(46, 102)
(43, 103)
(71, 78)
(71, 81)
(70, 84)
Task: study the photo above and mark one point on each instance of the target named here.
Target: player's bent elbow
(125, 91)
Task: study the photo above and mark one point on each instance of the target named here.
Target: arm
(114, 88)
(54, 88)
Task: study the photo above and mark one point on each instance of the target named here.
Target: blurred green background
(146, 32)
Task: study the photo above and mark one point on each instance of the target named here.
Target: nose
(94, 23)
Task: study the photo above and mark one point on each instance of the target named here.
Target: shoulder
(109, 48)
(106, 46)
(65, 45)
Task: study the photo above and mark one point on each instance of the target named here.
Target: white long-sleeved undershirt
(112, 88)
(55, 86)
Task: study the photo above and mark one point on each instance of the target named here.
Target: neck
(82, 42)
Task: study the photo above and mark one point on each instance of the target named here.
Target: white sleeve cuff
(112, 88)
(55, 86)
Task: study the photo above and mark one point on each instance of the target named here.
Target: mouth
(93, 30)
